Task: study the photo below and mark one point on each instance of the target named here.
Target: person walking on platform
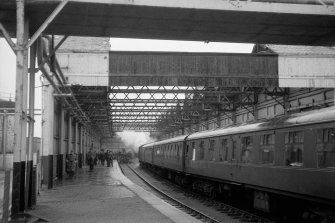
(107, 157)
(95, 159)
(102, 158)
(71, 163)
(90, 159)
(111, 158)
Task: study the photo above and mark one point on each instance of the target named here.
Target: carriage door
(185, 156)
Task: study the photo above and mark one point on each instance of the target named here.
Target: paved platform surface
(104, 195)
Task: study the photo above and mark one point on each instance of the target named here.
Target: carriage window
(246, 149)
(294, 148)
(233, 153)
(177, 151)
(211, 149)
(329, 135)
(267, 148)
(201, 153)
(168, 152)
(326, 147)
(223, 152)
(267, 139)
(193, 150)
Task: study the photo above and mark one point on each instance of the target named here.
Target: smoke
(133, 140)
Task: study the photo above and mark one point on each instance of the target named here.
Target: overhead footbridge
(167, 91)
(304, 22)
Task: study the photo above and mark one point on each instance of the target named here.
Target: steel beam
(45, 24)
(192, 90)
(7, 37)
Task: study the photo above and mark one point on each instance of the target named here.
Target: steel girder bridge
(162, 108)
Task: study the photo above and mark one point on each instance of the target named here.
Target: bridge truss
(162, 108)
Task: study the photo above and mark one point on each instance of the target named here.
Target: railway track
(219, 212)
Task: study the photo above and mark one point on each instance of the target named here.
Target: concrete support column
(47, 133)
(69, 143)
(80, 161)
(20, 127)
(86, 140)
(76, 140)
(90, 145)
(30, 181)
(84, 145)
(76, 137)
(62, 146)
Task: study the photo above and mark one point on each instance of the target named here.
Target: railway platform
(104, 195)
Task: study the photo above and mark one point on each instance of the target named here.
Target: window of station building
(326, 147)
(294, 148)
(201, 153)
(246, 149)
(267, 148)
(223, 152)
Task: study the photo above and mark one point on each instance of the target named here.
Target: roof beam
(45, 24)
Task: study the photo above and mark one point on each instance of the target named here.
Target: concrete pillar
(76, 140)
(30, 183)
(62, 146)
(84, 144)
(69, 143)
(90, 145)
(80, 160)
(76, 137)
(47, 133)
(20, 125)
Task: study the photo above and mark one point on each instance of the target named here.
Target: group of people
(100, 157)
(94, 158)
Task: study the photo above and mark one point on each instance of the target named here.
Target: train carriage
(294, 155)
(287, 157)
(146, 153)
(169, 153)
